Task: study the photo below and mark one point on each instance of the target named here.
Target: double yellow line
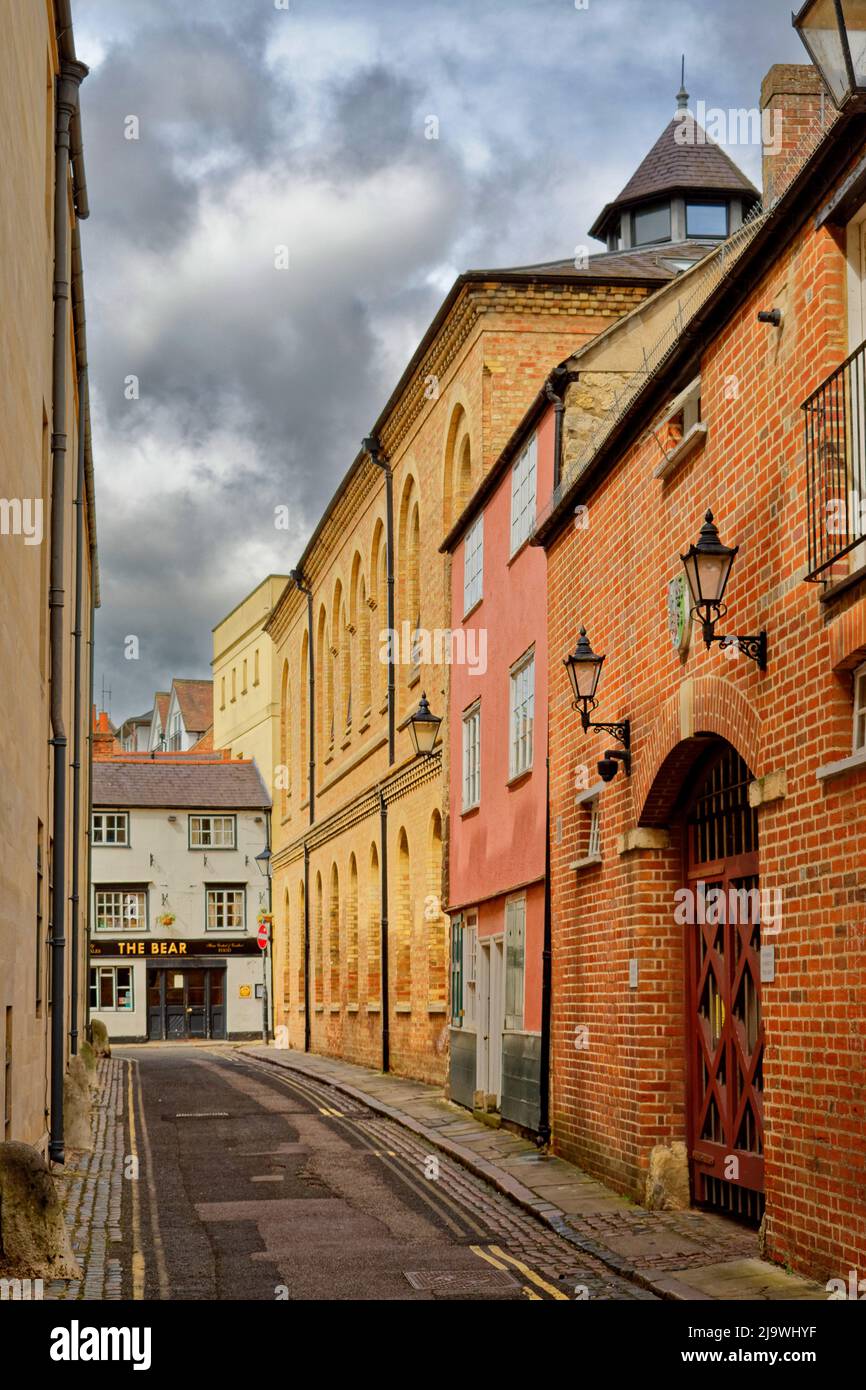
(494, 1256)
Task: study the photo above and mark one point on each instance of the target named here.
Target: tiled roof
(196, 704)
(205, 743)
(197, 785)
(161, 699)
(652, 264)
(676, 165)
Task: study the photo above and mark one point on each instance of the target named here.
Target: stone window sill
(590, 862)
(403, 1008)
(334, 1008)
(856, 762)
(351, 1008)
(374, 1008)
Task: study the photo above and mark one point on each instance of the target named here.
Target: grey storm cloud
(304, 128)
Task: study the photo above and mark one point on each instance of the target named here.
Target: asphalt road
(258, 1185)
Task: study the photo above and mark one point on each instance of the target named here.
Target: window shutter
(515, 945)
(457, 972)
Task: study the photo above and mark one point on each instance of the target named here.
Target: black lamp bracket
(621, 732)
(753, 647)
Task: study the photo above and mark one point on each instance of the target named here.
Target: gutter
(546, 978)
(383, 940)
(71, 76)
(76, 730)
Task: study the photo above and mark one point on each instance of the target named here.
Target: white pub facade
(178, 896)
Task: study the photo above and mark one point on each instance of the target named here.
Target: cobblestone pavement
(91, 1187)
(682, 1255)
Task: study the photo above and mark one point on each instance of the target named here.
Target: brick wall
(622, 1097)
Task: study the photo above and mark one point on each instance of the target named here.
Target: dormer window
(652, 224)
(707, 220)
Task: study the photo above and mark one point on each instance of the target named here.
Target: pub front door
(724, 1026)
(185, 1003)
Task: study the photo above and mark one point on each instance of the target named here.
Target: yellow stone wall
(246, 689)
(28, 64)
(445, 429)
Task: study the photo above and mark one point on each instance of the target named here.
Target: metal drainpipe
(554, 389)
(307, 1031)
(374, 449)
(90, 795)
(76, 730)
(298, 580)
(546, 982)
(383, 949)
(71, 76)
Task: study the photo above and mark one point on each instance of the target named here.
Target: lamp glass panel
(585, 678)
(424, 735)
(713, 571)
(692, 577)
(820, 31)
(855, 24)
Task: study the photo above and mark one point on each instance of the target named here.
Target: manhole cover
(459, 1280)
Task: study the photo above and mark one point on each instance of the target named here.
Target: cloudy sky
(301, 124)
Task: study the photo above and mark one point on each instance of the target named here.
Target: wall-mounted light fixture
(708, 568)
(584, 670)
(423, 727)
(834, 35)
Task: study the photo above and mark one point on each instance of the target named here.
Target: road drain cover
(202, 1115)
(459, 1280)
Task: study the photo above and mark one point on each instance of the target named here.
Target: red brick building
(709, 964)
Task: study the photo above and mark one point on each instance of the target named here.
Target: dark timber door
(724, 1028)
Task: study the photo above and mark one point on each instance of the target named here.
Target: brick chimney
(105, 745)
(794, 109)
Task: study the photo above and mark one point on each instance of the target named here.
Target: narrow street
(261, 1186)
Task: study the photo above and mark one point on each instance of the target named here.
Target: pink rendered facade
(498, 827)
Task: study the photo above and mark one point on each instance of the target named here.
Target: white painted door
(490, 1017)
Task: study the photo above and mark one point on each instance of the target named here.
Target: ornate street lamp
(423, 726)
(584, 669)
(708, 568)
(834, 34)
(264, 861)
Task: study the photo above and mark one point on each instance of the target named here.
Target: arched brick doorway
(719, 908)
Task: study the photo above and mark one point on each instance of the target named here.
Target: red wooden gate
(724, 1028)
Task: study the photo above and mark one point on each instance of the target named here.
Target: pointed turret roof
(683, 160)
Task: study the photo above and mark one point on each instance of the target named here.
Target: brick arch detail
(676, 741)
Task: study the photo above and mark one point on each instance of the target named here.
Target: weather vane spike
(682, 94)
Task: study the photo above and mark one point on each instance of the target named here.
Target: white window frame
(473, 565)
(859, 740)
(100, 829)
(521, 715)
(217, 897)
(523, 495)
(472, 757)
(97, 973)
(593, 847)
(515, 932)
(112, 904)
(470, 971)
(197, 838)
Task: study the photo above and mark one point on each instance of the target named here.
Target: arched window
(359, 615)
(338, 671)
(379, 618)
(299, 956)
(434, 918)
(334, 935)
(457, 467)
(287, 954)
(352, 933)
(403, 961)
(374, 929)
(285, 750)
(410, 567)
(319, 929)
(304, 696)
(256, 667)
(324, 689)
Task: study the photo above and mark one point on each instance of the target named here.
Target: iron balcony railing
(836, 471)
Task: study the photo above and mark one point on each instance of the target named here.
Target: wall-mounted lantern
(834, 35)
(708, 568)
(584, 669)
(423, 727)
